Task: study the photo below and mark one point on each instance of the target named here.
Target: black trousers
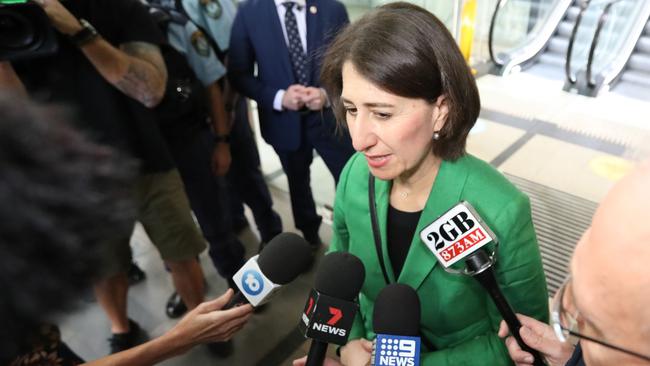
(246, 182)
(335, 150)
(208, 198)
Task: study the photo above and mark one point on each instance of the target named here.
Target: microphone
(459, 234)
(280, 262)
(330, 309)
(396, 321)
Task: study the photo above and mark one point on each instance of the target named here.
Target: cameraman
(110, 68)
(63, 199)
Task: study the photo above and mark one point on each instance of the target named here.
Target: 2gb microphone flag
(456, 234)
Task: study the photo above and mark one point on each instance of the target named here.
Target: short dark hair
(407, 51)
(62, 197)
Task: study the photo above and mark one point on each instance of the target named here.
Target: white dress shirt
(300, 11)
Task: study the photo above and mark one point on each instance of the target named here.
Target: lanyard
(375, 231)
(375, 225)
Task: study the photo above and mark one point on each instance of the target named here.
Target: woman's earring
(436, 136)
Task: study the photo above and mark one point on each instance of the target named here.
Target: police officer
(245, 178)
(202, 156)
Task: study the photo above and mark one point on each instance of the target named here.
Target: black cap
(284, 258)
(340, 275)
(397, 311)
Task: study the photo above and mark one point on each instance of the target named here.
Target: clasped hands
(298, 96)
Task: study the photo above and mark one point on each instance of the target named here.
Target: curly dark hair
(62, 197)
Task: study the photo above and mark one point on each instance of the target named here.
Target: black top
(576, 358)
(400, 229)
(106, 114)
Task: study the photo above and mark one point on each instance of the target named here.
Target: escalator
(619, 52)
(541, 47)
(591, 45)
(635, 79)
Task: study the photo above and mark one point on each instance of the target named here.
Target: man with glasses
(601, 316)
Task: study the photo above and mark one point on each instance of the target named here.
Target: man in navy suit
(287, 39)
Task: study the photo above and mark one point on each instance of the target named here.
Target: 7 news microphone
(330, 309)
(284, 258)
(396, 321)
(460, 234)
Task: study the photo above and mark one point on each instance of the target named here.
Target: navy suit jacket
(257, 38)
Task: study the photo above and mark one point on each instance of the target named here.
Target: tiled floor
(591, 143)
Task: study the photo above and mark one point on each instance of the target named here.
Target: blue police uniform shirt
(185, 37)
(193, 44)
(214, 16)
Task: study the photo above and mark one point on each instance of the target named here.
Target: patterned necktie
(298, 57)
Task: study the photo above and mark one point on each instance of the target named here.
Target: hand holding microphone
(284, 258)
(330, 308)
(459, 234)
(396, 321)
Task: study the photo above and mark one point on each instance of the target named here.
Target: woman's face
(394, 133)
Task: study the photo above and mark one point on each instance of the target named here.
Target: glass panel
(517, 23)
(614, 33)
(584, 36)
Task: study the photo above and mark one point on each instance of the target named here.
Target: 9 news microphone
(330, 309)
(459, 234)
(396, 321)
(280, 262)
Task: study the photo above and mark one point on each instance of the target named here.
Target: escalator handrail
(618, 65)
(533, 47)
(500, 5)
(567, 65)
(594, 42)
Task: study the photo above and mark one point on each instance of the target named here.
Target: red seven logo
(337, 314)
(311, 304)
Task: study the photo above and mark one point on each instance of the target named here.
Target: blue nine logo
(397, 351)
(252, 282)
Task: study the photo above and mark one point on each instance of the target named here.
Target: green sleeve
(340, 236)
(520, 275)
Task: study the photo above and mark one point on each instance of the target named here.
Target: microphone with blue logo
(331, 307)
(396, 321)
(284, 258)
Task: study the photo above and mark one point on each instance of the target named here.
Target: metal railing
(594, 43)
(535, 44)
(499, 6)
(569, 54)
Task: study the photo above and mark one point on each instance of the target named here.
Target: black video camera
(25, 31)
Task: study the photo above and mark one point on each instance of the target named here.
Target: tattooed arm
(136, 68)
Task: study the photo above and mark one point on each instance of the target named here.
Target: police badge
(212, 8)
(200, 43)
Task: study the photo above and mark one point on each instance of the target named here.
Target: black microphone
(280, 262)
(330, 309)
(396, 321)
(460, 234)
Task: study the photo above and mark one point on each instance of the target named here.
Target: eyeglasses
(565, 318)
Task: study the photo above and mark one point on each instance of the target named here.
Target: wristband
(85, 35)
(222, 139)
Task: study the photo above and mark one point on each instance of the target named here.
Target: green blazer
(458, 317)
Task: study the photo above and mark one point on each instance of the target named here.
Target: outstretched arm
(205, 323)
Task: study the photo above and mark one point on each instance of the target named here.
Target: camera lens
(16, 31)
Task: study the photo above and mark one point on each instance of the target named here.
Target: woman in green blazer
(398, 80)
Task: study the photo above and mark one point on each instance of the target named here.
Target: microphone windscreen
(397, 311)
(340, 275)
(284, 258)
